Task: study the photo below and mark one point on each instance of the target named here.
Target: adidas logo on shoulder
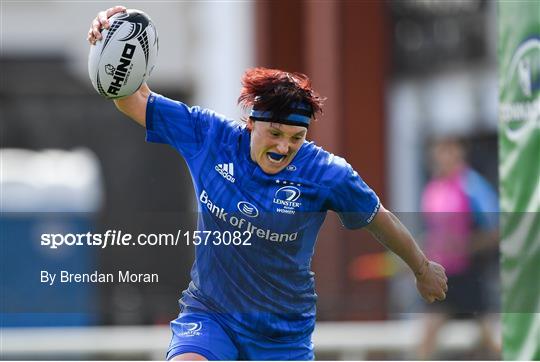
(226, 170)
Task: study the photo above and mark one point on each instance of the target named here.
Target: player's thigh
(263, 349)
(202, 335)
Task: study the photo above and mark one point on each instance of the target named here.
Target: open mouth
(275, 157)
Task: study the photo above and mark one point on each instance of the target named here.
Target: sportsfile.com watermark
(113, 238)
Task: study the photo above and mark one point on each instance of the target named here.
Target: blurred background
(401, 77)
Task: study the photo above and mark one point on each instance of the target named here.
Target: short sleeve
(174, 123)
(483, 200)
(354, 201)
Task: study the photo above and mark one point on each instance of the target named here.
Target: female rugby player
(265, 184)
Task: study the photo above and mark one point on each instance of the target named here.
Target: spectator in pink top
(460, 213)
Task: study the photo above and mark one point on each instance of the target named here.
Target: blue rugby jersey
(267, 287)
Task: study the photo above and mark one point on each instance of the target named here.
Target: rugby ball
(123, 59)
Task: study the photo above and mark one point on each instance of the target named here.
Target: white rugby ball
(123, 59)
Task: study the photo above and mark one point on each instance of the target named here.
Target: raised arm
(133, 106)
(430, 276)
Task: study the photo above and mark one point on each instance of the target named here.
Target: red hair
(276, 91)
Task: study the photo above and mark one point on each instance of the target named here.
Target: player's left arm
(430, 276)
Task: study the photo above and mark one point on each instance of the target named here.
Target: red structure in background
(344, 47)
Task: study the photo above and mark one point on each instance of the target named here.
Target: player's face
(274, 145)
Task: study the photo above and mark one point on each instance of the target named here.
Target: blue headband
(299, 116)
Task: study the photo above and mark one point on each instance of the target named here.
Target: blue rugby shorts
(206, 334)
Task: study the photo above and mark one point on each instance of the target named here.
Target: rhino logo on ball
(109, 69)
